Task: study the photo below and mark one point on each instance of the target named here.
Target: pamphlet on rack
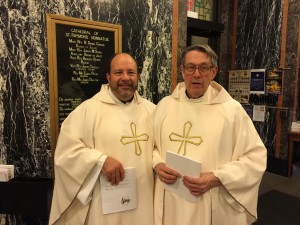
(7, 172)
(295, 126)
(186, 167)
(259, 112)
(121, 197)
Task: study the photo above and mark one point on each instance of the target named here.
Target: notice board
(78, 55)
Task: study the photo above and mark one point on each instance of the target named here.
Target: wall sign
(239, 85)
(78, 54)
(274, 81)
(257, 81)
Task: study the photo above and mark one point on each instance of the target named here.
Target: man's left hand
(202, 184)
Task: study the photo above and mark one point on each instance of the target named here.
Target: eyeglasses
(203, 69)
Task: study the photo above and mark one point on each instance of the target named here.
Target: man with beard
(201, 121)
(103, 136)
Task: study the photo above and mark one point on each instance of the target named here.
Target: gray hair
(201, 48)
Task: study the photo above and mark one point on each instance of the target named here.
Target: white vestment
(216, 131)
(95, 128)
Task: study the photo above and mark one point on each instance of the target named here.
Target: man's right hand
(113, 170)
(166, 174)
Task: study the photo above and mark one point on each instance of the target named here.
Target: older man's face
(197, 73)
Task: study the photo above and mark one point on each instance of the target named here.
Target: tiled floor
(286, 185)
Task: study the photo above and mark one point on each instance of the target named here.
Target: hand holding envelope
(186, 167)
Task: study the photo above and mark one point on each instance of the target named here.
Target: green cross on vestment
(185, 138)
(134, 139)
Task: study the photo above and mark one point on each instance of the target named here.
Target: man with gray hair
(202, 122)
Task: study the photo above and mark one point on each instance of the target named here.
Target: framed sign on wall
(78, 55)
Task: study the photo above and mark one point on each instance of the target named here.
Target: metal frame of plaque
(78, 52)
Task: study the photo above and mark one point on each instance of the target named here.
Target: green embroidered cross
(185, 138)
(134, 139)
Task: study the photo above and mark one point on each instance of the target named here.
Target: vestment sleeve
(242, 176)
(84, 195)
(74, 159)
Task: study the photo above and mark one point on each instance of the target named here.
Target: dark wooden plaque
(78, 52)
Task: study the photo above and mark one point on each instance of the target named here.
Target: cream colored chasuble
(100, 126)
(216, 131)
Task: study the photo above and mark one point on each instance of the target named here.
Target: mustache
(128, 83)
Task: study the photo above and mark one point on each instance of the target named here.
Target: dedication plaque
(78, 54)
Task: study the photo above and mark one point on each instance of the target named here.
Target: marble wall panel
(290, 77)
(258, 33)
(182, 36)
(291, 54)
(226, 17)
(147, 35)
(258, 46)
(24, 89)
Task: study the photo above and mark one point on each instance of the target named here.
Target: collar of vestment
(203, 99)
(215, 94)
